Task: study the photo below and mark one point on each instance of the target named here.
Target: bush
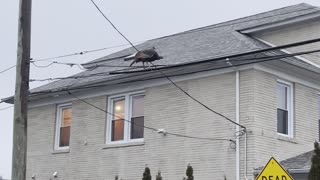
(158, 177)
(314, 173)
(189, 172)
(146, 174)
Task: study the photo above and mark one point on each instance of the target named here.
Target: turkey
(148, 55)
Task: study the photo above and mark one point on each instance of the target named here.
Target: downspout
(239, 133)
(237, 127)
(245, 155)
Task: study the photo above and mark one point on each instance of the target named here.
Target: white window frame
(128, 113)
(60, 107)
(290, 108)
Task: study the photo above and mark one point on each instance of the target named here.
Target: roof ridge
(273, 10)
(245, 17)
(299, 7)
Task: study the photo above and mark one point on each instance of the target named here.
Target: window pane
(137, 106)
(282, 94)
(117, 130)
(66, 118)
(137, 117)
(137, 124)
(282, 121)
(64, 136)
(118, 109)
(118, 120)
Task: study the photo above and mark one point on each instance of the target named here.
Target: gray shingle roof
(195, 45)
(302, 161)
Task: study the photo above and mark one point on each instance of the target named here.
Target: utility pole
(19, 153)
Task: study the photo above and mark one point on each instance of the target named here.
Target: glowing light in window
(118, 108)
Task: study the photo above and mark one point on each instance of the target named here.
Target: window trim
(128, 113)
(58, 124)
(290, 107)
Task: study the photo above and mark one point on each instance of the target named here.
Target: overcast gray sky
(61, 27)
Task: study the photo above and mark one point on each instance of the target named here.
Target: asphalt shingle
(204, 43)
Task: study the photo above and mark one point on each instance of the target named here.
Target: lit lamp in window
(118, 108)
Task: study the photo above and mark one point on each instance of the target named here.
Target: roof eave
(310, 16)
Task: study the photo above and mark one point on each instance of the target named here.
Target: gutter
(298, 171)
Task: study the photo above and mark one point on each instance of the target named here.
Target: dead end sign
(274, 171)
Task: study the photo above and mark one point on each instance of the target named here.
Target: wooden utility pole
(21, 93)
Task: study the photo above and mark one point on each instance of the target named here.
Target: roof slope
(302, 161)
(204, 43)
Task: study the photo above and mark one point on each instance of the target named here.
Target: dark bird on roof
(145, 56)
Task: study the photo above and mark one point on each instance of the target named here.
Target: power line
(212, 27)
(56, 62)
(6, 108)
(61, 56)
(97, 86)
(134, 66)
(75, 54)
(301, 43)
(208, 108)
(152, 78)
(256, 60)
(199, 102)
(84, 52)
(148, 127)
(45, 66)
(93, 67)
(186, 32)
(72, 77)
(269, 58)
(194, 99)
(91, 75)
(113, 25)
(11, 67)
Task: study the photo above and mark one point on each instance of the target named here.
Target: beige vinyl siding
(266, 142)
(165, 107)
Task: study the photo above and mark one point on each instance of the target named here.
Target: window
(126, 119)
(284, 108)
(63, 124)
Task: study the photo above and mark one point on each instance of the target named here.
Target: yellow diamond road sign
(274, 171)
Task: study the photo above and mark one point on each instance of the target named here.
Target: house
(298, 166)
(97, 126)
